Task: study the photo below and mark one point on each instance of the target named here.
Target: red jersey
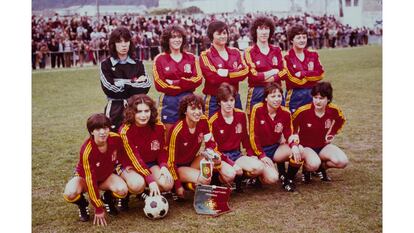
(211, 61)
(265, 131)
(183, 145)
(312, 129)
(95, 166)
(230, 136)
(138, 143)
(311, 70)
(260, 63)
(185, 74)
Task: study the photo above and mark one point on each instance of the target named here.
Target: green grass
(63, 99)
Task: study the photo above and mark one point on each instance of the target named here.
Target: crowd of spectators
(65, 41)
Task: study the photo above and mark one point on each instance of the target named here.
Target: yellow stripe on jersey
(112, 134)
(88, 175)
(251, 134)
(301, 109)
(249, 60)
(211, 121)
(288, 97)
(171, 149)
(130, 153)
(206, 62)
(207, 104)
(249, 99)
(157, 78)
(161, 98)
(334, 106)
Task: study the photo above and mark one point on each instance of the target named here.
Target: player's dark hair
(97, 121)
(262, 21)
(272, 87)
(189, 100)
(167, 35)
(131, 109)
(324, 89)
(115, 37)
(224, 92)
(216, 26)
(296, 29)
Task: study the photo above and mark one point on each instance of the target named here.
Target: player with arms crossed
(221, 64)
(95, 171)
(176, 73)
(121, 75)
(265, 61)
(304, 69)
(317, 124)
(184, 143)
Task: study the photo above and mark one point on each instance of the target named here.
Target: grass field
(62, 101)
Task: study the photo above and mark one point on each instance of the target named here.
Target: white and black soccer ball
(155, 207)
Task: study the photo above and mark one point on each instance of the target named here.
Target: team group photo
(207, 116)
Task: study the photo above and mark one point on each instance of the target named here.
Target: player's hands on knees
(180, 192)
(166, 174)
(154, 190)
(99, 219)
(238, 169)
(267, 161)
(296, 154)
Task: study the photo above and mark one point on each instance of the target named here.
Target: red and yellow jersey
(265, 131)
(302, 74)
(142, 144)
(95, 166)
(148, 143)
(260, 63)
(185, 75)
(211, 61)
(312, 129)
(229, 137)
(183, 146)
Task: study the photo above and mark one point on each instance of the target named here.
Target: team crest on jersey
(200, 137)
(187, 68)
(238, 128)
(167, 68)
(278, 127)
(328, 123)
(262, 122)
(221, 131)
(274, 61)
(98, 164)
(310, 65)
(235, 65)
(155, 145)
(258, 62)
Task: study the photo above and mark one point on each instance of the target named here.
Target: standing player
(304, 69)
(121, 75)
(146, 153)
(220, 64)
(176, 73)
(94, 172)
(184, 142)
(265, 61)
(229, 129)
(317, 124)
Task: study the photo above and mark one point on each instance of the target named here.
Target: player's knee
(136, 187)
(313, 164)
(257, 168)
(165, 186)
(342, 162)
(121, 189)
(70, 196)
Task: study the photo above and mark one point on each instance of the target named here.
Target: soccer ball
(155, 207)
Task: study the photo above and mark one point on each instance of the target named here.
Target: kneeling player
(317, 124)
(229, 130)
(94, 172)
(184, 142)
